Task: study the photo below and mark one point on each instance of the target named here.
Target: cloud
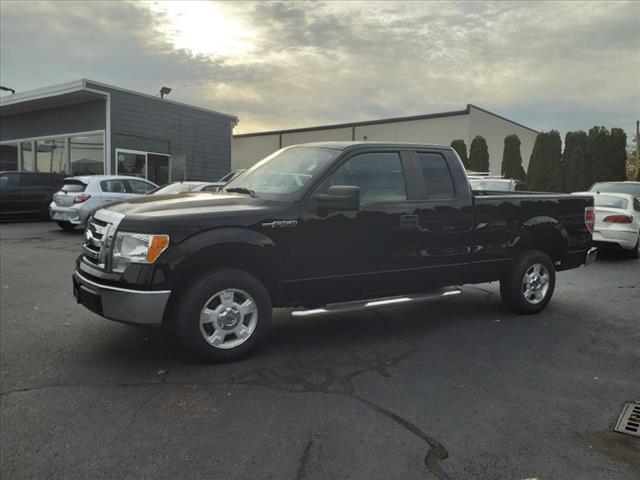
(562, 65)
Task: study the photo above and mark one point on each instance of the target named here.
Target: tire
(209, 318)
(635, 253)
(66, 226)
(531, 294)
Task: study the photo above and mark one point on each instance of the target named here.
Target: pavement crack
(304, 460)
(436, 453)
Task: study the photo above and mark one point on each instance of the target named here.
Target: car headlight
(136, 248)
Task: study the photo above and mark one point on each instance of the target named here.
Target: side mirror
(338, 198)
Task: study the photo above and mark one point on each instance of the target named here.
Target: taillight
(83, 197)
(618, 219)
(590, 218)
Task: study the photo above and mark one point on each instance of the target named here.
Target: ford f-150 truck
(323, 227)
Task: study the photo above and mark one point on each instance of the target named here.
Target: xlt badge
(281, 224)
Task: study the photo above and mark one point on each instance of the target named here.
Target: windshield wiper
(246, 190)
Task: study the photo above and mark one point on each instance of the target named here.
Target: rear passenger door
(113, 190)
(444, 216)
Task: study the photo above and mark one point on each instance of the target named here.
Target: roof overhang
(49, 97)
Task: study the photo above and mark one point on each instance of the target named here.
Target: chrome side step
(377, 302)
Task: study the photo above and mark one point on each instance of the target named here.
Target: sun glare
(204, 28)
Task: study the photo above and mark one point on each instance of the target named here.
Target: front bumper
(136, 307)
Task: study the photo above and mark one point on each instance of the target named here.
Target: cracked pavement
(457, 389)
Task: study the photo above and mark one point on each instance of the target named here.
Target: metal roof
(453, 113)
(75, 92)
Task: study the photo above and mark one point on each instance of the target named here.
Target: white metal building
(435, 128)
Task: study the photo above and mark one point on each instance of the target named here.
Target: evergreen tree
(576, 173)
(618, 154)
(545, 169)
(597, 155)
(574, 165)
(479, 155)
(512, 159)
(461, 148)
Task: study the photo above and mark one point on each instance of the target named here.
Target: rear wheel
(223, 315)
(635, 253)
(529, 286)
(67, 226)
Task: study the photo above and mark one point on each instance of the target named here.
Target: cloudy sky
(563, 65)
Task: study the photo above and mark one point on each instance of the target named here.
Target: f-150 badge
(281, 224)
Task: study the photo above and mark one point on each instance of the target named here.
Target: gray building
(439, 128)
(85, 127)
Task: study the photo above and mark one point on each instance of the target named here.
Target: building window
(51, 156)
(28, 160)
(133, 164)
(9, 157)
(152, 166)
(87, 154)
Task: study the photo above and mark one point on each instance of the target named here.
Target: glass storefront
(28, 163)
(51, 156)
(81, 154)
(87, 154)
(154, 167)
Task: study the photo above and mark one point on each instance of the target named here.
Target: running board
(377, 302)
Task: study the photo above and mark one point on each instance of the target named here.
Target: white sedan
(617, 222)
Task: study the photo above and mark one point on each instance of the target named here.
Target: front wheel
(223, 315)
(529, 286)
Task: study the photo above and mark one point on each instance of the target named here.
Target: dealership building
(434, 128)
(86, 127)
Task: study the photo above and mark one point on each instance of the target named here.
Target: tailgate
(70, 188)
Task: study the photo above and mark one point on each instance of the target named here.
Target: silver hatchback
(79, 197)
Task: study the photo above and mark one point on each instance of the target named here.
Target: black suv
(27, 194)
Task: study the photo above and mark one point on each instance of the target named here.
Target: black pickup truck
(323, 227)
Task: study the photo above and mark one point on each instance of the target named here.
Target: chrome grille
(98, 237)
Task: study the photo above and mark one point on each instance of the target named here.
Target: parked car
(371, 225)
(79, 197)
(617, 222)
(27, 194)
(628, 187)
(174, 188)
(227, 178)
(493, 184)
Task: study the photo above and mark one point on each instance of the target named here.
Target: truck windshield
(283, 173)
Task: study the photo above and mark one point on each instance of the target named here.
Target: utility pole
(637, 149)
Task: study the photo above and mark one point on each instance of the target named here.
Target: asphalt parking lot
(456, 389)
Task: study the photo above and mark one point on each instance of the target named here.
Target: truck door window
(437, 178)
(379, 176)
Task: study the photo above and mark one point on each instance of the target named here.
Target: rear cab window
(435, 175)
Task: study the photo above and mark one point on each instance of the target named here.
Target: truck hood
(186, 204)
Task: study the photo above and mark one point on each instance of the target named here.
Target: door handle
(409, 223)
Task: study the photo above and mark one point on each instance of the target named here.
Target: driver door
(361, 253)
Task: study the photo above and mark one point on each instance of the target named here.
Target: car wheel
(635, 253)
(67, 226)
(529, 286)
(223, 315)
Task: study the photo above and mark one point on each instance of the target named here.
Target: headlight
(136, 248)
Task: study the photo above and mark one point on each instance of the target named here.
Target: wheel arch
(546, 234)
